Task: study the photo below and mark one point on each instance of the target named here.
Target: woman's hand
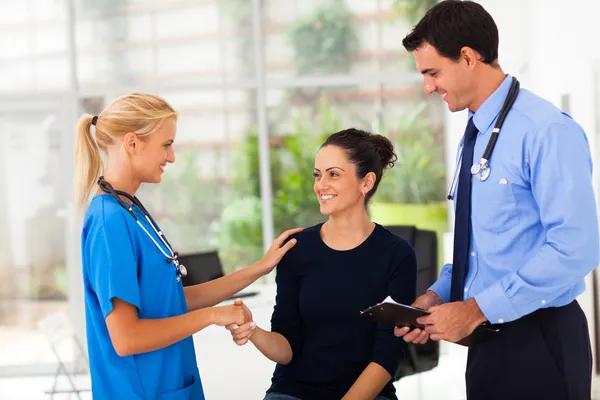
(241, 334)
(229, 315)
(277, 251)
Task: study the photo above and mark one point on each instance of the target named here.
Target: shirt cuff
(494, 304)
(442, 289)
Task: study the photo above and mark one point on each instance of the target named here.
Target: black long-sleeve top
(320, 293)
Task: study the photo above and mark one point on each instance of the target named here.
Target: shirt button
(473, 254)
(466, 290)
(543, 301)
(500, 321)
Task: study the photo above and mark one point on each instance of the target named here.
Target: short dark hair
(452, 24)
(367, 151)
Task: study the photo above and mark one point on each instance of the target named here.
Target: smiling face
(152, 153)
(453, 80)
(337, 186)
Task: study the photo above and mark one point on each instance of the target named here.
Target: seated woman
(323, 347)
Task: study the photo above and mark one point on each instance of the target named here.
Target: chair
(59, 333)
(205, 267)
(422, 357)
(201, 267)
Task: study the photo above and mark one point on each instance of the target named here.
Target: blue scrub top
(121, 261)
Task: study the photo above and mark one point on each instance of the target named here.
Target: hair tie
(94, 120)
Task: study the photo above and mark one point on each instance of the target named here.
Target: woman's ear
(368, 182)
(130, 142)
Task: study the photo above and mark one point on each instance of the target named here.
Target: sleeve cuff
(494, 304)
(389, 364)
(442, 289)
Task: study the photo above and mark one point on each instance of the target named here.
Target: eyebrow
(427, 70)
(317, 169)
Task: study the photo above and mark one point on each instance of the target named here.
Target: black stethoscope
(482, 169)
(180, 270)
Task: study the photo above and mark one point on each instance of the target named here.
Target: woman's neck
(121, 181)
(347, 231)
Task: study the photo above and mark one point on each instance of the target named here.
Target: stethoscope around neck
(180, 270)
(482, 169)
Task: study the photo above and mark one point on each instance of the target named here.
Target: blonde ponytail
(139, 113)
(88, 164)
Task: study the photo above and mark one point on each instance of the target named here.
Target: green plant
(324, 41)
(239, 230)
(239, 233)
(186, 203)
(419, 174)
(246, 176)
(412, 10)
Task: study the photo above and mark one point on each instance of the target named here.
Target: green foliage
(240, 233)
(246, 176)
(419, 174)
(188, 203)
(412, 10)
(324, 41)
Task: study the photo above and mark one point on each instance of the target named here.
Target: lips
(324, 198)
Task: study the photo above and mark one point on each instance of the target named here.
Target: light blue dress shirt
(535, 225)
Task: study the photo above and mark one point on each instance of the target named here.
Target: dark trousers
(544, 355)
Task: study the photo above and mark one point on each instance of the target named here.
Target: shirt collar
(489, 110)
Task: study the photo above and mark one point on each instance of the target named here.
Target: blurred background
(258, 84)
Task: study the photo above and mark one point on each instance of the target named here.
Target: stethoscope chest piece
(180, 270)
(481, 171)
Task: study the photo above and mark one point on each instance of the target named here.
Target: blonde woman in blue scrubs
(140, 320)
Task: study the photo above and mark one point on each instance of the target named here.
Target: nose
(171, 155)
(321, 184)
(428, 86)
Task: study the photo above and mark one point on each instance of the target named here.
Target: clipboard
(390, 312)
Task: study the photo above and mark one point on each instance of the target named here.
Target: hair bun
(385, 148)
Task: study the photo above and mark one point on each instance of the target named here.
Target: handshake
(237, 319)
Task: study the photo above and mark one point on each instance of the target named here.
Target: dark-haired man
(526, 230)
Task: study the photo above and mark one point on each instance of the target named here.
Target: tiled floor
(231, 372)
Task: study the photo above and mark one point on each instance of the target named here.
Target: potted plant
(324, 41)
(413, 192)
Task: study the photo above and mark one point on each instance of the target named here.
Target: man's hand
(425, 301)
(452, 321)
